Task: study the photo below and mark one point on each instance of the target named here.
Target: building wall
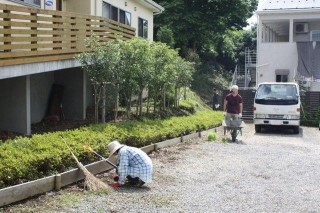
(282, 55)
(94, 7)
(306, 36)
(272, 56)
(13, 110)
(8, 2)
(140, 11)
(78, 6)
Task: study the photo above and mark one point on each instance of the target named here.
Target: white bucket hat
(113, 147)
(234, 87)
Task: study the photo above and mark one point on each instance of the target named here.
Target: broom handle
(103, 158)
(71, 152)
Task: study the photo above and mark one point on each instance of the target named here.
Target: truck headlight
(293, 117)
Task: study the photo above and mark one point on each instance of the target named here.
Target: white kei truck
(277, 104)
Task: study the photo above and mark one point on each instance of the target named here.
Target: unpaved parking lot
(269, 172)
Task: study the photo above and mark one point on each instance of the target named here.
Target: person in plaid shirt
(134, 165)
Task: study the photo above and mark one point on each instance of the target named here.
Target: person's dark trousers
(135, 181)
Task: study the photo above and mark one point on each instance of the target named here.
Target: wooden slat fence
(29, 35)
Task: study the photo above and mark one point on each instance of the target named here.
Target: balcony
(30, 35)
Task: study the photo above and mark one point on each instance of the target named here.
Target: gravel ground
(268, 172)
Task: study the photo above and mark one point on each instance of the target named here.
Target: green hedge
(25, 159)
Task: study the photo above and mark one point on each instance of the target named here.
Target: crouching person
(134, 165)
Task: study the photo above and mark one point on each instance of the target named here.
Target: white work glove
(240, 115)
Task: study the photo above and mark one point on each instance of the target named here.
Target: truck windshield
(279, 94)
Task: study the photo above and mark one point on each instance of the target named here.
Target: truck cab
(277, 104)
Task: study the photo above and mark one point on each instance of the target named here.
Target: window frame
(282, 78)
(144, 34)
(315, 33)
(125, 17)
(119, 11)
(27, 3)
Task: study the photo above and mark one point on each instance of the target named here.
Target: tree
(202, 33)
(92, 61)
(112, 71)
(183, 77)
(165, 35)
(137, 66)
(164, 71)
(196, 23)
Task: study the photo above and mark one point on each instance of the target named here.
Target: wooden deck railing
(29, 35)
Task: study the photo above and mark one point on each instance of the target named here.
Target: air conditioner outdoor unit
(306, 84)
(301, 28)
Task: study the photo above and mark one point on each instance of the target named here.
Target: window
(315, 35)
(125, 17)
(281, 78)
(106, 10)
(35, 3)
(116, 14)
(142, 28)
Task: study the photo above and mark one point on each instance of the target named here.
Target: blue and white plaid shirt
(134, 162)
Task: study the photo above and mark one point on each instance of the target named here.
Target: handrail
(30, 35)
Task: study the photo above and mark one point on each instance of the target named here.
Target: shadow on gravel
(280, 132)
(238, 142)
(131, 190)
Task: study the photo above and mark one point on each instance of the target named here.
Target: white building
(287, 43)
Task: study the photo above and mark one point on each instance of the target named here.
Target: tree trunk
(148, 101)
(176, 97)
(96, 89)
(185, 93)
(140, 102)
(103, 112)
(178, 101)
(155, 103)
(128, 104)
(164, 97)
(116, 104)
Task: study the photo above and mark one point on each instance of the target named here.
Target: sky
(251, 21)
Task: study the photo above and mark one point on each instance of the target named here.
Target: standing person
(215, 100)
(133, 165)
(233, 106)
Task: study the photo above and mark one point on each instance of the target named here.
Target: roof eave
(288, 11)
(157, 9)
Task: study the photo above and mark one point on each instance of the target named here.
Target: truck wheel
(296, 129)
(257, 128)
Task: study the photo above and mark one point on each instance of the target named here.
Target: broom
(105, 159)
(91, 182)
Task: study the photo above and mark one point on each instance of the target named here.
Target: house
(288, 42)
(38, 42)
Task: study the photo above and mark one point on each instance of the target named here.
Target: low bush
(24, 159)
(212, 136)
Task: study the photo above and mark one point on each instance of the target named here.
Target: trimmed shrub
(24, 159)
